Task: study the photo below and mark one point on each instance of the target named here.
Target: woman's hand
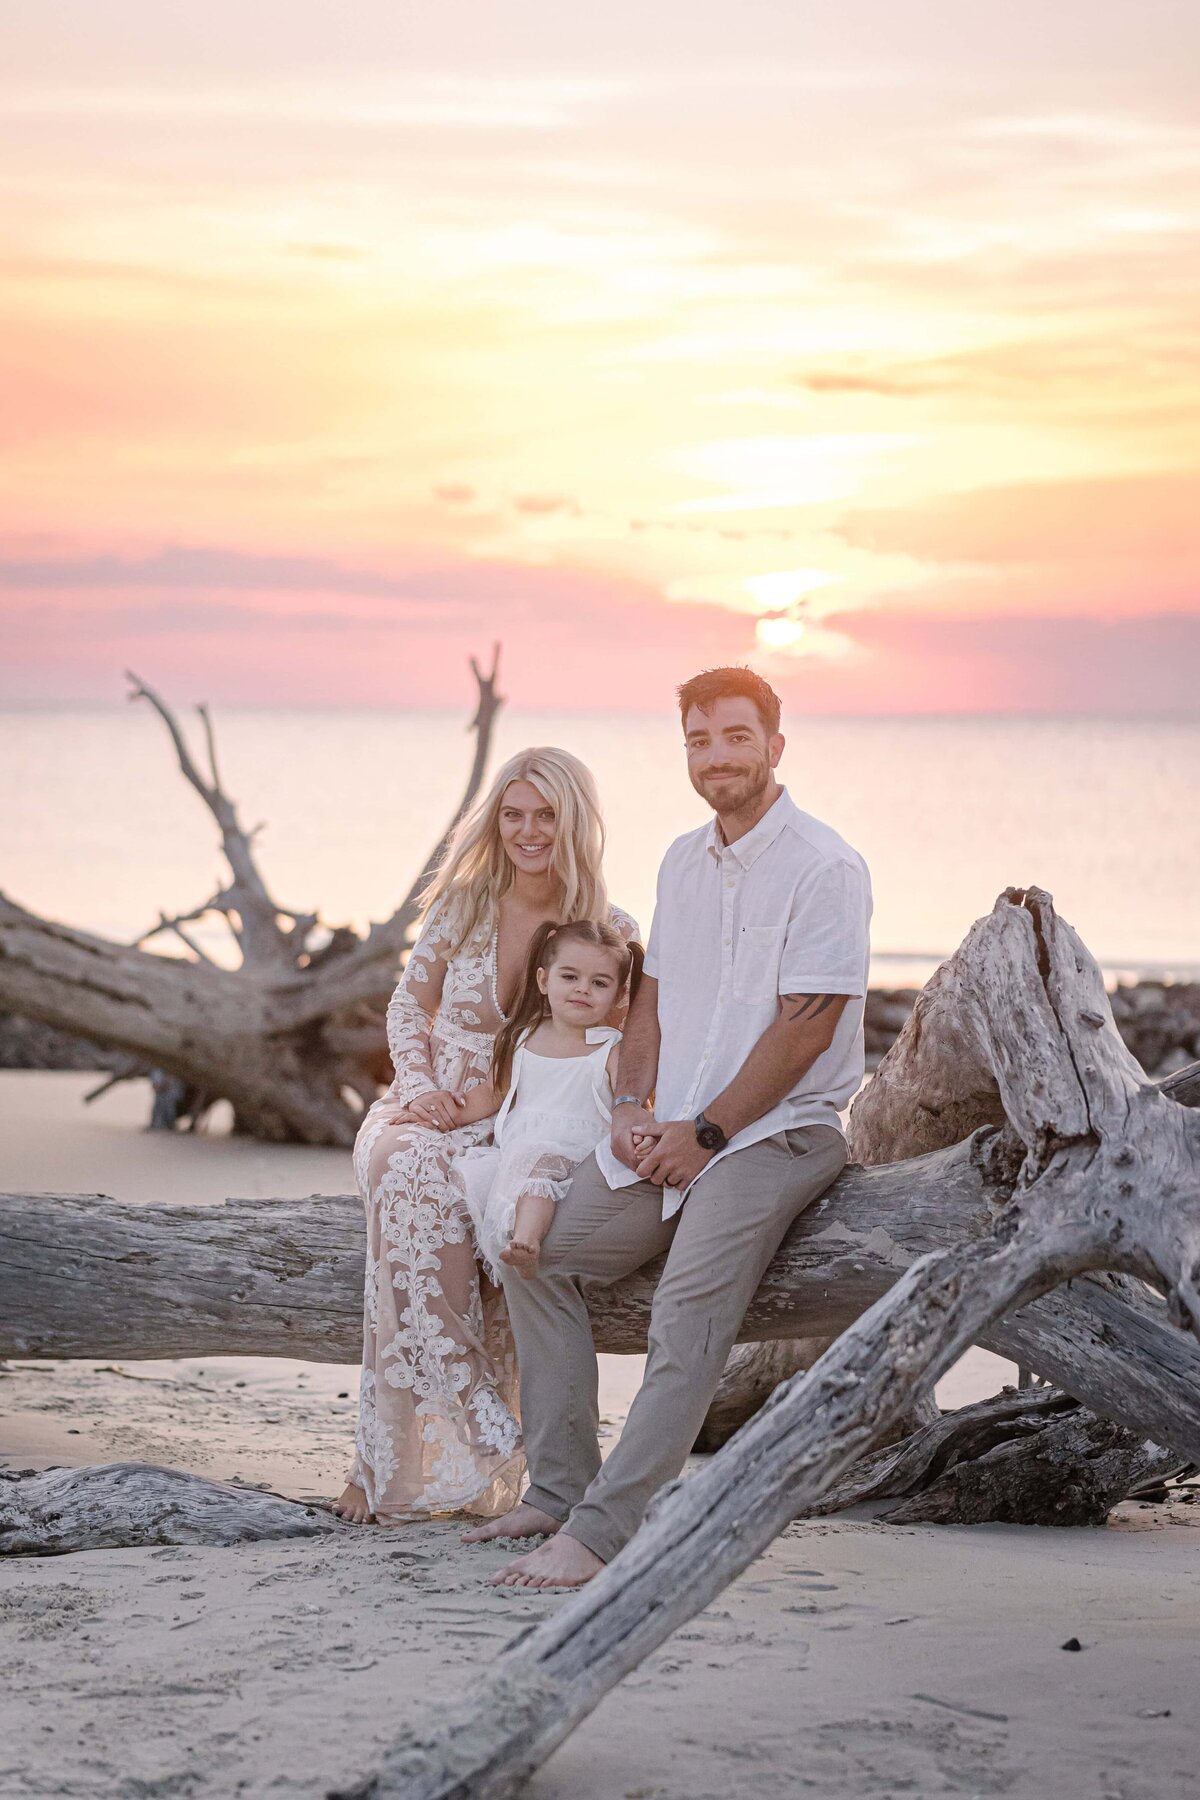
(440, 1111)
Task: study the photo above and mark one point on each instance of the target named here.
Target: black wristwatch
(708, 1135)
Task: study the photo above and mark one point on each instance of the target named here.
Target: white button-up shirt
(784, 910)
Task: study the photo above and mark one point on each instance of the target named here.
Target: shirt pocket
(756, 962)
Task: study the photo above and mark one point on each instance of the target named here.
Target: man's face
(730, 757)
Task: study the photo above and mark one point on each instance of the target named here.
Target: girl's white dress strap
(604, 1037)
(601, 1037)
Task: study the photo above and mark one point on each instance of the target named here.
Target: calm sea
(98, 828)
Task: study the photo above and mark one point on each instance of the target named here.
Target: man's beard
(734, 796)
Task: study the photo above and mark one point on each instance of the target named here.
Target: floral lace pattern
(438, 1422)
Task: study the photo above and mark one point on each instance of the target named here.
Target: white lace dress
(438, 1420)
(556, 1111)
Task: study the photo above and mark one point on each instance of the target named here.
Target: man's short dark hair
(730, 684)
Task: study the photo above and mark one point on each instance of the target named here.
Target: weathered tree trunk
(292, 1037)
(751, 1376)
(1094, 1168)
(82, 1275)
(113, 1505)
(1029, 1456)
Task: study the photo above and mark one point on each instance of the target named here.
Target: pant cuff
(535, 1496)
(592, 1535)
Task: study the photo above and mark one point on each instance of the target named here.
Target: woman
(437, 1425)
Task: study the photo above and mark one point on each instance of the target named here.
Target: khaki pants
(720, 1244)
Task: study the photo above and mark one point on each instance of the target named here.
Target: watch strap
(709, 1134)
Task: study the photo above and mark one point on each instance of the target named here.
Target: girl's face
(527, 827)
(582, 985)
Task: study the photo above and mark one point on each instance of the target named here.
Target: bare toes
(523, 1258)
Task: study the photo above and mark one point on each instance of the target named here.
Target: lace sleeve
(413, 1008)
(623, 922)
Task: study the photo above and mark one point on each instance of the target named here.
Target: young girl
(551, 1081)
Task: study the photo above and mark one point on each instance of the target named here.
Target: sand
(853, 1659)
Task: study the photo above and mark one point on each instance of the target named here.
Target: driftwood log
(1085, 1165)
(112, 1505)
(751, 1376)
(293, 1037)
(1028, 1456)
(85, 1276)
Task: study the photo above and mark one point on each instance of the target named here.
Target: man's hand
(676, 1158)
(629, 1125)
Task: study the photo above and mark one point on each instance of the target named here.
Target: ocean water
(98, 828)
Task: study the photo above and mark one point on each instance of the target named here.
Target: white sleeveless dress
(557, 1109)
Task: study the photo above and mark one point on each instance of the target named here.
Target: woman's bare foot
(522, 1257)
(562, 1563)
(351, 1505)
(522, 1521)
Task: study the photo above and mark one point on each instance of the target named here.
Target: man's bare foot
(562, 1562)
(522, 1521)
(523, 1258)
(351, 1505)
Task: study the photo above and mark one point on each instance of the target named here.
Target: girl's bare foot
(522, 1257)
(351, 1505)
(522, 1521)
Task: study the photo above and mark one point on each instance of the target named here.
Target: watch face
(710, 1137)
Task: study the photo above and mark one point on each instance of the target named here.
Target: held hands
(669, 1153)
(631, 1134)
(439, 1112)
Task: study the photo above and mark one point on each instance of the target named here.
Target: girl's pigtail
(637, 957)
(528, 1009)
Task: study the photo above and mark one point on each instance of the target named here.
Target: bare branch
(176, 925)
(370, 971)
(211, 742)
(489, 704)
(260, 938)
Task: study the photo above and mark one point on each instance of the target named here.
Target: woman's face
(527, 827)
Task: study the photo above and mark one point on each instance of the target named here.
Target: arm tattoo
(806, 1006)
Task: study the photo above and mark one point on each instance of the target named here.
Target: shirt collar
(749, 848)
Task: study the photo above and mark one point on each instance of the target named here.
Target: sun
(779, 634)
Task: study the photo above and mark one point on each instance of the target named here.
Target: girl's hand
(439, 1111)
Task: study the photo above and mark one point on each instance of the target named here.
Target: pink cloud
(235, 627)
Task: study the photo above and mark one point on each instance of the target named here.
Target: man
(748, 1028)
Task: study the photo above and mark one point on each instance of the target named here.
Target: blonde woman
(438, 1428)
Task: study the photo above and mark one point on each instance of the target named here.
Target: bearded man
(748, 1030)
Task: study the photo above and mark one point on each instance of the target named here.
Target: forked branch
(246, 905)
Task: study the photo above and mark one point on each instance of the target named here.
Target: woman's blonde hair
(476, 870)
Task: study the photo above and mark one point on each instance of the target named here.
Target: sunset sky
(857, 341)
